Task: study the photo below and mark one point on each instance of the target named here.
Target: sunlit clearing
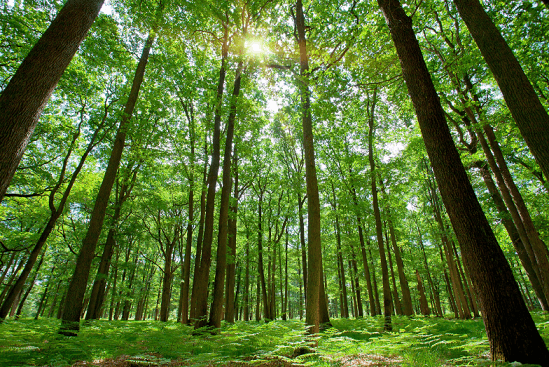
(254, 47)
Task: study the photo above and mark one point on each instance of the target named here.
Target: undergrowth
(416, 341)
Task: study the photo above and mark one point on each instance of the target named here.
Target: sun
(254, 47)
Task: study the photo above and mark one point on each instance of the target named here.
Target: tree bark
(521, 98)
(511, 331)
(221, 268)
(26, 95)
(202, 276)
(77, 286)
(387, 299)
(313, 201)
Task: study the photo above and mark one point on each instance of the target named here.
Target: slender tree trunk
(247, 281)
(29, 288)
(341, 267)
(359, 308)
(539, 248)
(97, 296)
(404, 287)
(523, 102)
(434, 289)
(77, 287)
(423, 306)
(202, 276)
(396, 299)
(54, 215)
(221, 268)
(197, 259)
(42, 302)
(387, 301)
(371, 296)
(302, 241)
(14, 274)
(232, 221)
(26, 95)
(168, 275)
(353, 290)
(511, 331)
(513, 235)
(285, 306)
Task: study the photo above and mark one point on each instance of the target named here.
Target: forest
(274, 182)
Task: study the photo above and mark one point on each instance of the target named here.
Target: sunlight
(254, 47)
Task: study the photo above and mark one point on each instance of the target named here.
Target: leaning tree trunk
(511, 331)
(221, 268)
(521, 98)
(77, 286)
(55, 212)
(202, 276)
(97, 295)
(30, 88)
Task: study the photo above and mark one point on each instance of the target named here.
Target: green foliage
(416, 341)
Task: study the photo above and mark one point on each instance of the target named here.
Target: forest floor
(416, 341)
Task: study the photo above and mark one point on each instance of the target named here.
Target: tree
(77, 288)
(28, 91)
(511, 331)
(523, 102)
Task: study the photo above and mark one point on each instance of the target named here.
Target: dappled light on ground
(417, 341)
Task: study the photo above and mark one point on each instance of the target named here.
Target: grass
(416, 341)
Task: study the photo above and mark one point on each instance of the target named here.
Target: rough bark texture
(202, 276)
(216, 312)
(313, 201)
(55, 213)
(77, 286)
(30, 88)
(521, 98)
(511, 331)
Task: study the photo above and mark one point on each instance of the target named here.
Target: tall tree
(77, 287)
(28, 91)
(313, 201)
(511, 331)
(521, 98)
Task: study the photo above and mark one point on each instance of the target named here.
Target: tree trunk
(387, 301)
(313, 201)
(26, 95)
(54, 215)
(404, 287)
(523, 102)
(340, 264)
(202, 276)
(423, 306)
(247, 281)
(513, 235)
(198, 256)
(302, 241)
(221, 268)
(359, 308)
(229, 289)
(511, 331)
(77, 287)
(396, 299)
